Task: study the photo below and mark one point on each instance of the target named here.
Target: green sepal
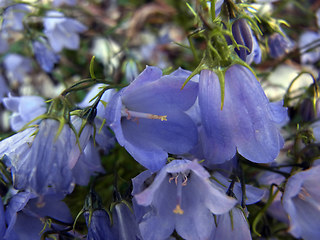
(91, 68)
(221, 76)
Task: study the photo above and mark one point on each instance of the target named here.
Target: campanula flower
(4, 46)
(309, 51)
(57, 3)
(243, 36)
(25, 213)
(97, 219)
(99, 226)
(149, 119)
(247, 123)
(181, 197)
(279, 45)
(131, 70)
(16, 67)
(301, 201)
(45, 56)
(62, 32)
(3, 87)
(40, 161)
(13, 17)
(25, 109)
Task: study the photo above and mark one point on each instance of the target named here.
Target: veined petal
(148, 75)
(161, 219)
(236, 230)
(218, 145)
(158, 97)
(255, 134)
(177, 135)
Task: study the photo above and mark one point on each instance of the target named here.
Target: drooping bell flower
(41, 158)
(99, 227)
(97, 219)
(301, 201)
(25, 213)
(279, 45)
(243, 36)
(57, 3)
(44, 162)
(247, 123)
(45, 56)
(62, 32)
(24, 108)
(4, 46)
(309, 50)
(3, 88)
(13, 17)
(149, 119)
(182, 198)
(17, 67)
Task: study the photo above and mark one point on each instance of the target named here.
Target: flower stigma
(136, 115)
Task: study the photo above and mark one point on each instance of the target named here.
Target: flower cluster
(199, 152)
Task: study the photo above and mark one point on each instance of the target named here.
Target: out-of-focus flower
(181, 197)
(5, 3)
(108, 53)
(24, 109)
(131, 70)
(3, 88)
(16, 67)
(279, 45)
(25, 213)
(13, 17)
(308, 45)
(45, 55)
(301, 201)
(62, 32)
(40, 163)
(57, 3)
(4, 46)
(253, 133)
(149, 119)
(124, 225)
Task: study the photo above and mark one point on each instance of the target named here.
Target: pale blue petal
(255, 134)
(224, 230)
(159, 96)
(217, 140)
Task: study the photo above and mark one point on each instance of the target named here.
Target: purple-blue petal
(218, 145)
(158, 97)
(239, 230)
